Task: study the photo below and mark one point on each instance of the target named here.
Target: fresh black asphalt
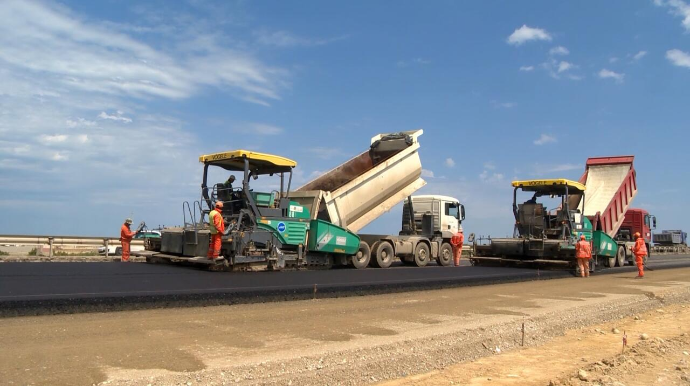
(33, 288)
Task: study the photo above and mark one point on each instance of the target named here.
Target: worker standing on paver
(126, 236)
(640, 251)
(583, 252)
(456, 242)
(217, 229)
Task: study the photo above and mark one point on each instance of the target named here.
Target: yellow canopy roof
(259, 162)
(549, 185)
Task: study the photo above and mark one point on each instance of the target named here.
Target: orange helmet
(637, 235)
(582, 237)
(219, 204)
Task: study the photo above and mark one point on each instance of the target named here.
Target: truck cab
(434, 214)
(637, 220)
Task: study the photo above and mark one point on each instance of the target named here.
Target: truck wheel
(118, 251)
(361, 258)
(445, 255)
(611, 262)
(620, 257)
(421, 255)
(384, 255)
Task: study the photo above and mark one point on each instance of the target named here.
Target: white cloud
(57, 156)
(286, 39)
(415, 61)
(504, 105)
(489, 166)
(677, 8)
(560, 50)
(640, 55)
(258, 129)
(525, 34)
(678, 58)
(80, 122)
(564, 66)
(487, 176)
(82, 138)
(604, 74)
(526, 68)
(558, 69)
(57, 138)
(75, 53)
(450, 163)
(427, 173)
(540, 169)
(116, 117)
(544, 139)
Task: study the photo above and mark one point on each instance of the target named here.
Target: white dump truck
(363, 188)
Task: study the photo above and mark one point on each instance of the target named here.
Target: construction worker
(126, 236)
(217, 229)
(456, 242)
(640, 252)
(583, 252)
(228, 183)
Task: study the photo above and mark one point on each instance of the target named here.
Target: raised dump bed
(360, 190)
(611, 187)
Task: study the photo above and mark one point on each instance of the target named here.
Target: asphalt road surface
(30, 288)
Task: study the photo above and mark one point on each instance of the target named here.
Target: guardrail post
(106, 247)
(50, 246)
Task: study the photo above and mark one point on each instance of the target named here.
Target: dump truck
(611, 187)
(315, 225)
(540, 235)
(671, 241)
(363, 188)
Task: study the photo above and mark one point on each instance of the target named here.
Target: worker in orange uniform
(456, 242)
(217, 229)
(640, 251)
(126, 236)
(583, 253)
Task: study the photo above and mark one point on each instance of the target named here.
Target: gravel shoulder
(402, 337)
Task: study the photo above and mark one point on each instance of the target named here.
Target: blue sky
(105, 106)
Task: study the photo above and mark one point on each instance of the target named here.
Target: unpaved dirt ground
(592, 355)
(463, 335)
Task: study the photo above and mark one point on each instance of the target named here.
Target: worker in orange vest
(217, 229)
(456, 242)
(126, 236)
(583, 252)
(640, 251)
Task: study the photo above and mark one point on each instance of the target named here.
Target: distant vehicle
(116, 250)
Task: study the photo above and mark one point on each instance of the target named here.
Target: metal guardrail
(52, 241)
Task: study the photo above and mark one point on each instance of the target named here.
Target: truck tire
(384, 255)
(361, 258)
(445, 255)
(610, 262)
(421, 255)
(118, 251)
(620, 256)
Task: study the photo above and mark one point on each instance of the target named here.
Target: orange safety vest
(457, 239)
(640, 248)
(583, 250)
(217, 224)
(126, 234)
